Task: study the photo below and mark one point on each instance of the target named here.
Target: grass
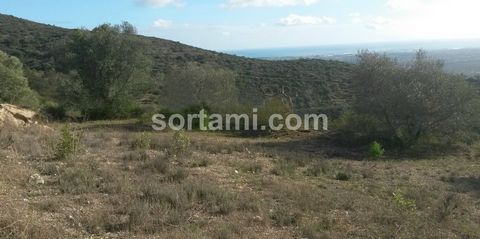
(275, 189)
(78, 179)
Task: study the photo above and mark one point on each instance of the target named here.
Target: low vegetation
(269, 187)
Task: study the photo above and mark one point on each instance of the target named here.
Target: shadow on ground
(466, 185)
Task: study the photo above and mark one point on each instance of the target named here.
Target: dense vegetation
(314, 85)
(111, 72)
(405, 104)
(14, 86)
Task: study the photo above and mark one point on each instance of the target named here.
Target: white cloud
(298, 20)
(372, 22)
(162, 23)
(267, 3)
(160, 3)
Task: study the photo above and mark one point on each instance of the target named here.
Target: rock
(37, 179)
(16, 116)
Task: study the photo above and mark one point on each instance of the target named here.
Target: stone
(37, 179)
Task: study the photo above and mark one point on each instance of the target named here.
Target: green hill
(314, 85)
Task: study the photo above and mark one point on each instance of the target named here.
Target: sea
(348, 49)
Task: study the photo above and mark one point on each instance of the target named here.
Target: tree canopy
(113, 70)
(14, 86)
(413, 100)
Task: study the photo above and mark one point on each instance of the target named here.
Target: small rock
(37, 179)
(257, 219)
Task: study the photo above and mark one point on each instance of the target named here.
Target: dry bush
(138, 155)
(78, 179)
(32, 141)
(15, 224)
(159, 164)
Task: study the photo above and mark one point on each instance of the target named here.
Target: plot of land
(125, 182)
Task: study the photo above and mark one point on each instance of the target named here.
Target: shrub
(318, 168)
(200, 163)
(214, 199)
(376, 150)
(341, 176)
(252, 167)
(77, 180)
(282, 217)
(284, 168)
(158, 164)
(143, 141)
(353, 128)
(178, 175)
(139, 155)
(404, 202)
(180, 144)
(68, 144)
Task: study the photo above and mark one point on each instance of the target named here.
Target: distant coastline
(348, 49)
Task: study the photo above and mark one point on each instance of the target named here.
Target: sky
(251, 24)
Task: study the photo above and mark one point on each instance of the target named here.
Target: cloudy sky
(250, 24)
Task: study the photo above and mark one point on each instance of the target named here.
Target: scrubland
(122, 180)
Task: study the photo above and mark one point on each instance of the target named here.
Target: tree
(113, 69)
(199, 84)
(14, 86)
(414, 100)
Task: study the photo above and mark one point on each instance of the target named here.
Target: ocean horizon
(348, 49)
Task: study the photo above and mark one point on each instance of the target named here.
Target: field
(126, 181)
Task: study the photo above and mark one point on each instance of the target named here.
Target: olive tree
(113, 69)
(196, 84)
(413, 100)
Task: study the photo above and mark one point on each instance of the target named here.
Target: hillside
(315, 85)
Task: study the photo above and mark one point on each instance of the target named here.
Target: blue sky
(249, 24)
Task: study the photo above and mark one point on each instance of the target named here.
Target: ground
(126, 181)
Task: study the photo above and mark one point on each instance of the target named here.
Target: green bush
(143, 141)
(14, 86)
(180, 144)
(355, 128)
(376, 150)
(404, 202)
(68, 144)
(341, 176)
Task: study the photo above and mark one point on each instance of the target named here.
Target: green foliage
(376, 150)
(413, 101)
(143, 141)
(14, 86)
(341, 176)
(404, 202)
(113, 70)
(67, 145)
(271, 106)
(199, 84)
(318, 83)
(357, 128)
(180, 144)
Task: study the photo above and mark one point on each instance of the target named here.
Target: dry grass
(120, 186)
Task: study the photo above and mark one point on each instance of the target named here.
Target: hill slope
(313, 84)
